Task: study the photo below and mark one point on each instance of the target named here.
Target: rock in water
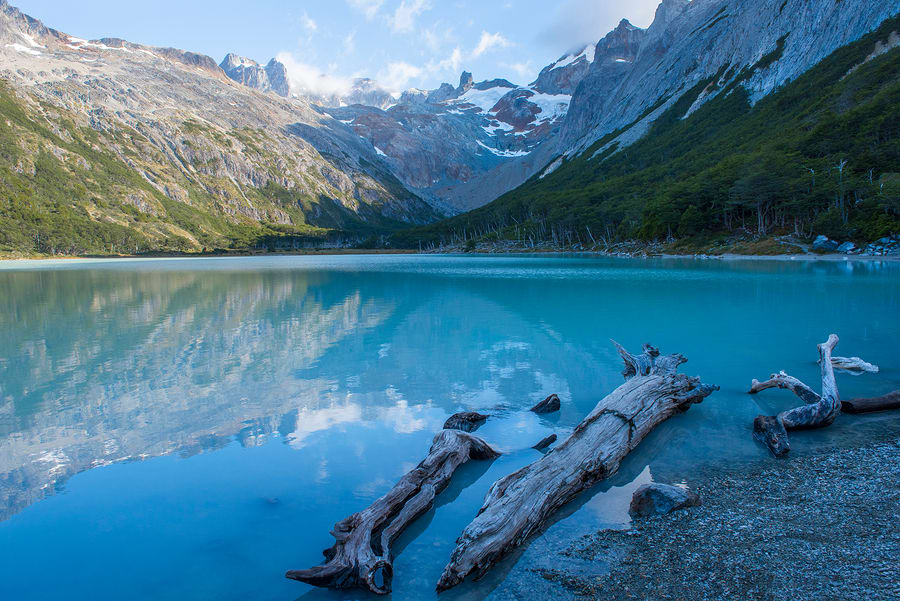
(546, 442)
(467, 421)
(548, 405)
(658, 499)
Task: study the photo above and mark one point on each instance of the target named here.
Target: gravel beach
(819, 527)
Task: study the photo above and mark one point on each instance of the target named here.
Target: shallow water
(190, 429)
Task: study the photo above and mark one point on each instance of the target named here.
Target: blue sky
(402, 43)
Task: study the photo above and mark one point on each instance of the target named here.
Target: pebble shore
(825, 526)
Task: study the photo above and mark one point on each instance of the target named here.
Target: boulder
(825, 244)
(658, 499)
(846, 247)
(548, 405)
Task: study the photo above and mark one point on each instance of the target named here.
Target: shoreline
(816, 526)
(812, 257)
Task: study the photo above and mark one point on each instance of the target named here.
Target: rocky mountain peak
(466, 81)
(248, 72)
(233, 61)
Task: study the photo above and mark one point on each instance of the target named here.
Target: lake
(193, 428)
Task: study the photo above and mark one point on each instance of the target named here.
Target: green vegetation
(820, 155)
(67, 189)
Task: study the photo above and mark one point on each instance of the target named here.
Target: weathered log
(854, 365)
(363, 540)
(467, 421)
(881, 403)
(519, 504)
(548, 405)
(545, 442)
(819, 410)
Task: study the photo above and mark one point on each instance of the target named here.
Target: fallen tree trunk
(468, 421)
(818, 411)
(854, 365)
(518, 505)
(363, 541)
(881, 403)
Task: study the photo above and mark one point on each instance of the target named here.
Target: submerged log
(362, 549)
(468, 421)
(854, 365)
(519, 505)
(545, 442)
(548, 405)
(819, 410)
(881, 403)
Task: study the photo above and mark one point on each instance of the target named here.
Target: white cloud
(451, 63)
(397, 75)
(369, 8)
(488, 41)
(580, 22)
(308, 23)
(404, 18)
(523, 70)
(350, 43)
(308, 79)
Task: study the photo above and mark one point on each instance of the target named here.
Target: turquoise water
(191, 429)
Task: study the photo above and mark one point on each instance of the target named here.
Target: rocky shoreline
(820, 526)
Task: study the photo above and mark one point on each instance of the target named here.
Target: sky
(326, 43)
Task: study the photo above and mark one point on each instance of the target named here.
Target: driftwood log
(468, 421)
(854, 365)
(818, 410)
(362, 549)
(548, 405)
(518, 505)
(881, 403)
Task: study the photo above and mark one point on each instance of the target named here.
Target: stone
(548, 405)
(846, 247)
(659, 499)
(824, 243)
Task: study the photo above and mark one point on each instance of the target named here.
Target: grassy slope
(68, 189)
(727, 166)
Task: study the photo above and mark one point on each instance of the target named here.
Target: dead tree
(818, 410)
(520, 504)
(881, 403)
(854, 365)
(467, 421)
(363, 541)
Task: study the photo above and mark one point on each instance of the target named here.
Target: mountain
(449, 145)
(109, 146)
(720, 119)
(271, 78)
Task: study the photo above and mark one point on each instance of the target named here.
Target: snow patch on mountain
(483, 99)
(23, 49)
(587, 53)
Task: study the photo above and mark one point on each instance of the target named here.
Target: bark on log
(854, 365)
(468, 421)
(518, 505)
(363, 540)
(548, 405)
(881, 403)
(819, 410)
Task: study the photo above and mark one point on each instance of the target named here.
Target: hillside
(819, 155)
(113, 147)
